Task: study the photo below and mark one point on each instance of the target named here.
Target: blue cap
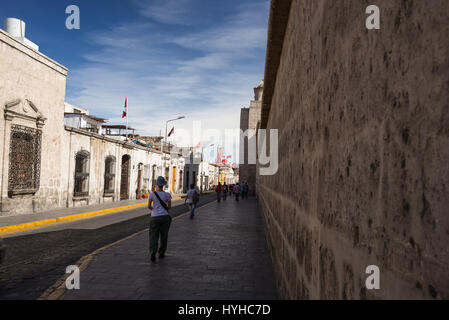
(160, 182)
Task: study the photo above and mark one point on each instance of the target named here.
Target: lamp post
(162, 144)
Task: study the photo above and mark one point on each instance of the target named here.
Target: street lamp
(162, 145)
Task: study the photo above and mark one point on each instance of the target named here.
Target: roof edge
(277, 26)
(36, 55)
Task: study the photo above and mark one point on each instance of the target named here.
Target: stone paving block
(222, 254)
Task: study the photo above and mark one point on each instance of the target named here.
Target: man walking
(218, 190)
(159, 203)
(246, 190)
(242, 187)
(225, 191)
(237, 191)
(193, 196)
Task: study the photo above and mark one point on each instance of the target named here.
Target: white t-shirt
(190, 194)
(158, 209)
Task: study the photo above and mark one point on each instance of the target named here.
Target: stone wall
(249, 119)
(27, 76)
(245, 168)
(363, 121)
(254, 119)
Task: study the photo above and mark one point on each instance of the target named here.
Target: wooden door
(124, 183)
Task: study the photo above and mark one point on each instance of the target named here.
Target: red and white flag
(172, 131)
(126, 109)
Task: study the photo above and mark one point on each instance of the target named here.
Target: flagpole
(127, 114)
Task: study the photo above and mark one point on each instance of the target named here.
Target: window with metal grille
(109, 175)
(82, 174)
(24, 160)
(146, 175)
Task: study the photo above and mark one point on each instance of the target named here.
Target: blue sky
(198, 58)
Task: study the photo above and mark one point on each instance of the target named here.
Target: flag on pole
(172, 131)
(198, 145)
(126, 109)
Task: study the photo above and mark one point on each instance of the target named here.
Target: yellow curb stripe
(40, 223)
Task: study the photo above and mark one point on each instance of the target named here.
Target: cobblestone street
(221, 254)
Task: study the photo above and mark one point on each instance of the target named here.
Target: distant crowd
(237, 189)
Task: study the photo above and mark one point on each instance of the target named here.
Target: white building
(52, 153)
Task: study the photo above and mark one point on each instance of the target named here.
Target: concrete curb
(37, 224)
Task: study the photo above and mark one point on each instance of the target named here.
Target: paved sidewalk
(221, 254)
(63, 212)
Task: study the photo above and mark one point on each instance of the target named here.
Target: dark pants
(159, 227)
(237, 197)
(224, 195)
(218, 196)
(192, 209)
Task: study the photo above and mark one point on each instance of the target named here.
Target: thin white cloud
(165, 11)
(244, 31)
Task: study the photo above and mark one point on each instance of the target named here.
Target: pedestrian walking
(193, 196)
(237, 191)
(159, 203)
(219, 190)
(242, 188)
(246, 190)
(225, 191)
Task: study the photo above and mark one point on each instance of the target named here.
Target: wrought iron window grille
(82, 174)
(109, 176)
(24, 160)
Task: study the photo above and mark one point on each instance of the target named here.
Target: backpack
(195, 197)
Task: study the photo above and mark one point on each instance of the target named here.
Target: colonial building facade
(47, 160)
(204, 175)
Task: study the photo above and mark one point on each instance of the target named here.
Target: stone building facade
(363, 120)
(250, 120)
(205, 175)
(46, 164)
(32, 92)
